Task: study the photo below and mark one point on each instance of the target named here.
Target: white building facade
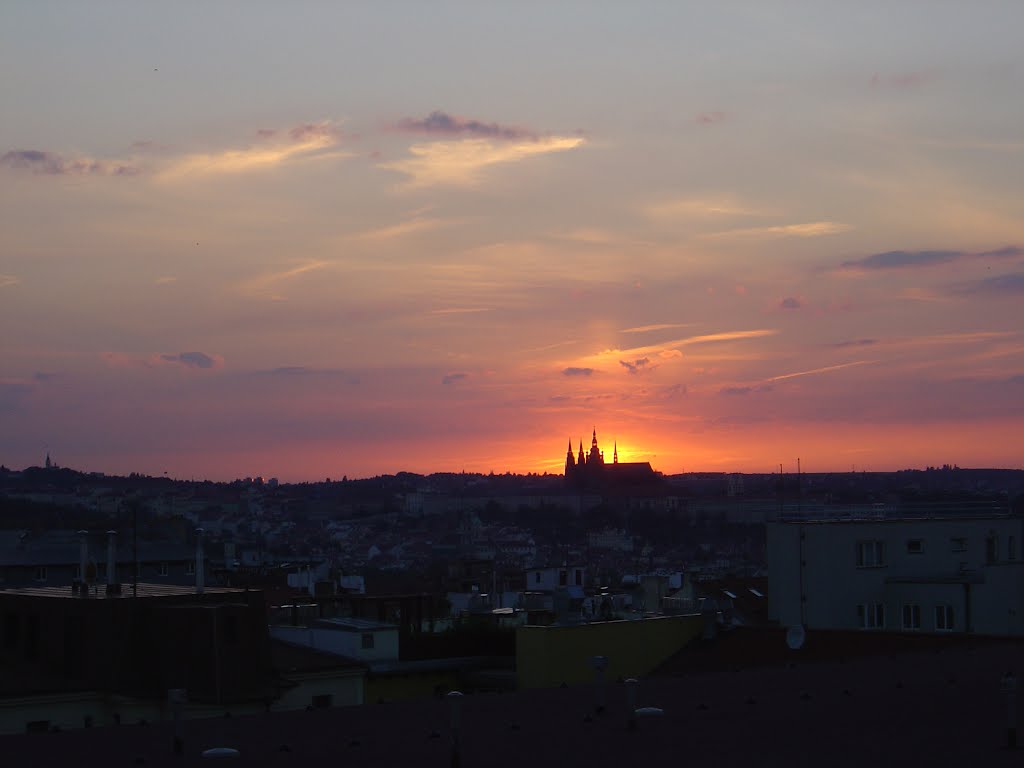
(933, 575)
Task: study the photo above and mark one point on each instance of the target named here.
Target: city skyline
(313, 241)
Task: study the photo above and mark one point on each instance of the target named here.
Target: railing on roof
(793, 512)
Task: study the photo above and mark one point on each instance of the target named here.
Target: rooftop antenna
(799, 488)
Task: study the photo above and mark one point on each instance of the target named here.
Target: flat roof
(99, 591)
(932, 707)
(354, 625)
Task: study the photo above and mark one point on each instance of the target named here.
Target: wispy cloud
(808, 229)
(911, 259)
(402, 229)
(192, 360)
(574, 371)
(901, 80)
(701, 207)
(304, 141)
(745, 390)
(461, 163)
(460, 310)
(636, 366)
(790, 302)
(669, 350)
(8, 280)
(902, 260)
(453, 378)
(439, 123)
(826, 369)
(728, 336)
(655, 327)
(1001, 285)
(854, 343)
(708, 118)
(44, 163)
(166, 280)
(265, 285)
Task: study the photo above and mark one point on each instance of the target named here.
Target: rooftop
(873, 513)
(99, 591)
(933, 706)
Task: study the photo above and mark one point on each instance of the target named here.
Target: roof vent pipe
(113, 585)
(83, 556)
(200, 575)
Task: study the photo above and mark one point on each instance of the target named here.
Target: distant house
(550, 579)
(55, 559)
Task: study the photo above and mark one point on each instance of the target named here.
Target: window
(78, 573)
(1011, 548)
(911, 616)
(536, 577)
(915, 546)
(563, 578)
(991, 549)
(190, 567)
(944, 618)
(958, 545)
(579, 577)
(41, 573)
(367, 640)
(162, 569)
(871, 616)
(870, 554)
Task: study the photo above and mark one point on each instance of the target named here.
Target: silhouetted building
(589, 471)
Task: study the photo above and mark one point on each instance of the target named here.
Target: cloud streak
(826, 369)
(808, 229)
(636, 366)
(461, 163)
(655, 327)
(42, 163)
(192, 360)
(304, 141)
(439, 123)
(892, 260)
(1001, 285)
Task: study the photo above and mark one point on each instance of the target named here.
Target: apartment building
(935, 574)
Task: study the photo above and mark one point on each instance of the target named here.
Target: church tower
(615, 453)
(582, 461)
(570, 462)
(595, 458)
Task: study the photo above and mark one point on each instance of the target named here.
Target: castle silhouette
(590, 472)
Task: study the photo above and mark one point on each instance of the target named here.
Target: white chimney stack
(200, 575)
(111, 558)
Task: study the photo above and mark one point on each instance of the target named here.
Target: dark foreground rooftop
(937, 706)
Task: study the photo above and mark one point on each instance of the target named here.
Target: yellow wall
(550, 656)
(414, 685)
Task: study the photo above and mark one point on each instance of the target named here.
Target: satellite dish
(795, 637)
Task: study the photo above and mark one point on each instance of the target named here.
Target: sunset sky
(312, 239)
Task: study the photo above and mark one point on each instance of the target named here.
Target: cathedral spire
(615, 453)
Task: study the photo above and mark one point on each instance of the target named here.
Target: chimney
(83, 557)
(200, 575)
(113, 585)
